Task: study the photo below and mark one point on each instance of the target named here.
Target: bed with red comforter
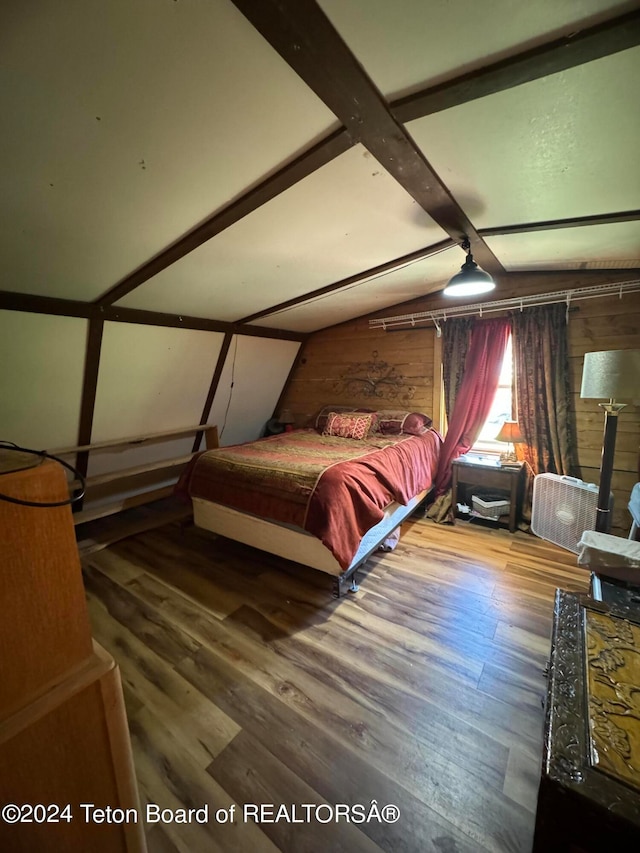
(335, 489)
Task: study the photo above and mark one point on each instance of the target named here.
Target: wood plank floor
(246, 683)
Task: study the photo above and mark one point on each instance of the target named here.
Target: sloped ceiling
(293, 164)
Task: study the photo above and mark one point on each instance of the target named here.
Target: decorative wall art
(374, 378)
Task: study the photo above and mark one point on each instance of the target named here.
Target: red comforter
(335, 488)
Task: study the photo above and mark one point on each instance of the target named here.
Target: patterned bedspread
(335, 488)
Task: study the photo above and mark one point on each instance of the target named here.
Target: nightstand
(505, 478)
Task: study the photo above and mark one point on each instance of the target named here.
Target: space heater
(563, 508)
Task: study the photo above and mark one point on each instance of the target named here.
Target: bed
(326, 496)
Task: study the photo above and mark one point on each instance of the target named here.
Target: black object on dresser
(589, 797)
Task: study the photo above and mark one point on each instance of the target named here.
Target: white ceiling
(130, 122)
(573, 246)
(441, 41)
(347, 216)
(554, 148)
(369, 295)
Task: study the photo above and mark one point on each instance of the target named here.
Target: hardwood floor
(246, 683)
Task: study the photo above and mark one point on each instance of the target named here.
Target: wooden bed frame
(296, 544)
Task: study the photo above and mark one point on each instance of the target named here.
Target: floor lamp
(611, 375)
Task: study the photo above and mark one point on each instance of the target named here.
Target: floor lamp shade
(611, 375)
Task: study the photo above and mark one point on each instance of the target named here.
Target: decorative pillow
(416, 423)
(392, 422)
(349, 424)
(322, 417)
(320, 422)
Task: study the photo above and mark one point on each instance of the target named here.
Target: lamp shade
(285, 417)
(614, 374)
(470, 281)
(510, 432)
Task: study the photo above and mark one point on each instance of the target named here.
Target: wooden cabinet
(63, 729)
(589, 796)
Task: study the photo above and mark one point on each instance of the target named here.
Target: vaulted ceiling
(294, 164)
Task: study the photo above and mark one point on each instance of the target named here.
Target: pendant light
(471, 280)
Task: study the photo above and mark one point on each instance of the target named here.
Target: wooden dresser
(589, 798)
(64, 738)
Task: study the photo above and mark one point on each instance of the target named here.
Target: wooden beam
(89, 388)
(553, 224)
(213, 387)
(603, 39)
(325, 151)
(389, 266)
(182, 321)
(304, 37)
(33, 304)
(159, 318)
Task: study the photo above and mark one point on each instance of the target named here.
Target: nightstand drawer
(476, 475)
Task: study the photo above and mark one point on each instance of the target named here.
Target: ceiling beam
(305, 38)
(589, 44)
(34, 304)
(156, 318)
(389, 266)
(12, 301)
(323, 152)
(553, 224)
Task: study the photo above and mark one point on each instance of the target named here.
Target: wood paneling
(329, 355)
(247, 683)
(603, 324)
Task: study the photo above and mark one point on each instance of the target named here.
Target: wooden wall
(595, 324)
(344, 351)
(606, 324)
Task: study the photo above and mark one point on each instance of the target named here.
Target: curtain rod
(520, 302)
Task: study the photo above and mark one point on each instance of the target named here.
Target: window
(501, 408)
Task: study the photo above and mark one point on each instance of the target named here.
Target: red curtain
(473, 401)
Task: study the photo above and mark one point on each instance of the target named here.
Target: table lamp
(510, 432)
(612, 375)
(285, 417)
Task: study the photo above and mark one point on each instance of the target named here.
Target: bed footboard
(296, 544)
